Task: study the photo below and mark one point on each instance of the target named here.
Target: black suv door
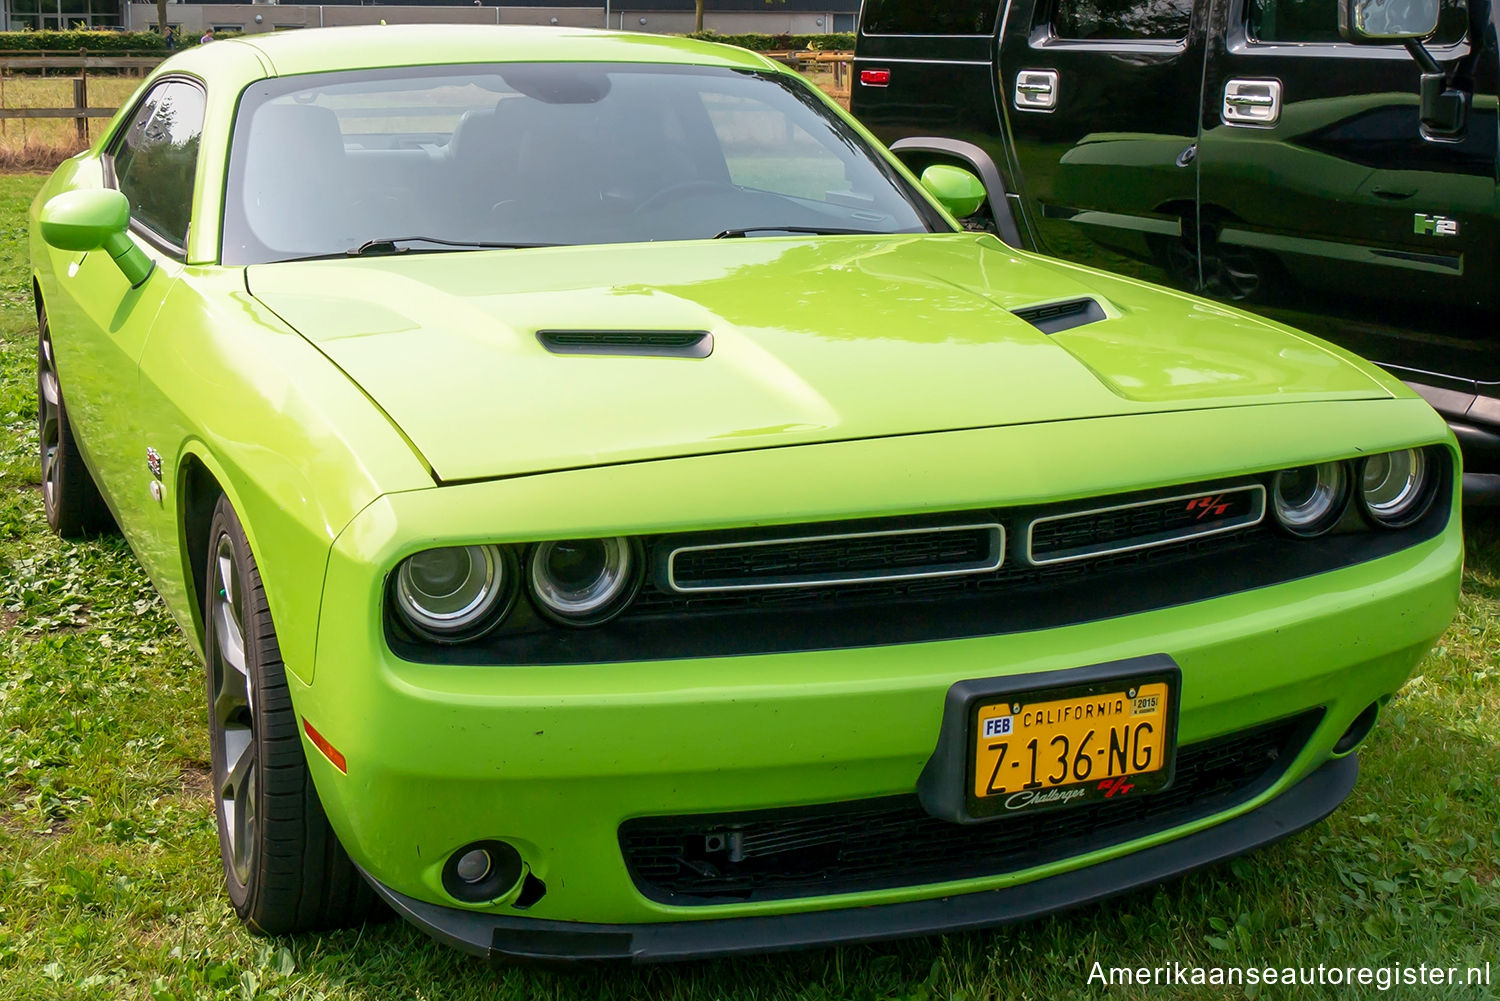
(1323, 204)
(1101, 100)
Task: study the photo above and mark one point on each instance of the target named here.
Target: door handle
(1392, 194)
(1252, 102)
(1036, 90)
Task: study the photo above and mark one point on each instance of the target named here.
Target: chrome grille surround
(992, 560)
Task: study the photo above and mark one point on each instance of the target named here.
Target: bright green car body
(357, 412)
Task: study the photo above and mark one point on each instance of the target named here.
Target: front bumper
(501, 938)
(554, 759)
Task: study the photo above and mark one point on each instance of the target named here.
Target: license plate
(1053, 748)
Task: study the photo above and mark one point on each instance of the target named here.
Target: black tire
(284, 868)
(75, 509)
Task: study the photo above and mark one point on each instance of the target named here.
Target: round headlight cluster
(1396, 487)
(455, 594)
(581, 582)
(1310, 500)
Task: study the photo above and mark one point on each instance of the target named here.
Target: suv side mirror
(956, 190)
(1378, 22)
(90, 220)
(1444, 108)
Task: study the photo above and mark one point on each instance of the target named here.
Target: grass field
(109, 875)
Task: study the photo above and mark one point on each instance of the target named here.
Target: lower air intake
(885, 843)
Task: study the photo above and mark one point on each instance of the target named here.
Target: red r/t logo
(1214, 505)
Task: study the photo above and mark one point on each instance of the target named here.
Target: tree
(161, 17)
(697, 11)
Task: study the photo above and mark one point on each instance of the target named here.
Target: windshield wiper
(392, 245)
(814, 230)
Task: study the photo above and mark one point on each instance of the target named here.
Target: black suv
(1244, 149)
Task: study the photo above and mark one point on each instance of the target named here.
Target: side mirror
(1379, 22)
(956, 190)
(95, 219)
(1444, 106)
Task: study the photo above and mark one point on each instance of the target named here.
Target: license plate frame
(947, 787)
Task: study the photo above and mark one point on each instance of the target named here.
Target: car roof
(318, 50)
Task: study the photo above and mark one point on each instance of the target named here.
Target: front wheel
(284, 868)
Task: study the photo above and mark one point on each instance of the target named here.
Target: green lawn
(109, 874)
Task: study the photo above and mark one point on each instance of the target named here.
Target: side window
(155, 159)
(1318, 21)
(1122, 20)
(924, 17)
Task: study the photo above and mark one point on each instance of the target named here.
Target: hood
(813, 340)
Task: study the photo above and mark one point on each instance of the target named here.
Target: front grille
(843, 558)
(879, 844)
(1059, 538)
(1015, 578)
(1089, 565)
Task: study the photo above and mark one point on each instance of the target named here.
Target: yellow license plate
(1040, 750)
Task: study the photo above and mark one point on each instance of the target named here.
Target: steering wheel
(681, 190)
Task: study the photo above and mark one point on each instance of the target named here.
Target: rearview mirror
(1382, 21)
(956, 190)
(91, 220)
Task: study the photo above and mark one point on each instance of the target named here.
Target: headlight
(1395, 487)
(584, 581)
(1310, 500)
(455, 594)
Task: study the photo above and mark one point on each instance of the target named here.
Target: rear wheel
(69, 495)
(284, 868)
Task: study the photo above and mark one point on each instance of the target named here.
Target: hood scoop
(1055, 317)
(647, 343)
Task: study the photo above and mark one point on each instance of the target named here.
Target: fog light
(473, 865)
(1395, 487)
(584, 581)
(1310, 500)
(482, 871)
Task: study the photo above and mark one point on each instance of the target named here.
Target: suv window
(1318, 21)
(156, 157)
(923, 17)
(1122, 20)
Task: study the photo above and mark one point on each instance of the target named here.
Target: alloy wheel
(49, 423)
(233, 710)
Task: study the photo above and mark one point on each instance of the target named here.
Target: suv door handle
(1036, 90)
(1252, 102)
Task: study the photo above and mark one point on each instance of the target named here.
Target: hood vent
(649, 343)
(1055, 317)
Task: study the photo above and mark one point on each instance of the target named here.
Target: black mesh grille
(875, 844)
(914, 552)
(1144, 524)
(1014, 575)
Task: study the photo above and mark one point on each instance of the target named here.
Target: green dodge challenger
(624, 515)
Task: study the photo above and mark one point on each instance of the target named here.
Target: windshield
(546, 153)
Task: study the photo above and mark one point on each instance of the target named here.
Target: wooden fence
(839, 62)
(81, 61)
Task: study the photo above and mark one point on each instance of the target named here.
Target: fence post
(81, 105)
